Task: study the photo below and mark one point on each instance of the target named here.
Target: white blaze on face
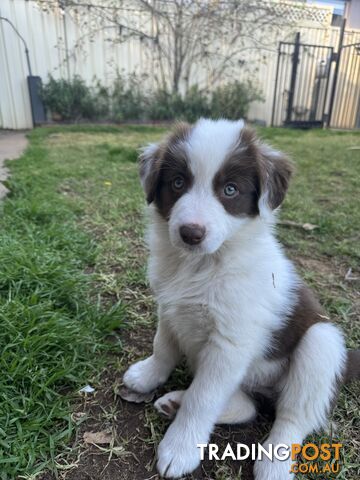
(206, 149)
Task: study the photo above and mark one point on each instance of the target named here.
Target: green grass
(51, 334)
(73, 269)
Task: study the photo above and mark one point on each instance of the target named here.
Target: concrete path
(12, 145)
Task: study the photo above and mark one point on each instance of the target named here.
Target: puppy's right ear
(149, 169)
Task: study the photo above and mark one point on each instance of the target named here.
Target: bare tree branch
(182, 35)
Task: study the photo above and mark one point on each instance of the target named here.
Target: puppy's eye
(178, 183)
(230, 190)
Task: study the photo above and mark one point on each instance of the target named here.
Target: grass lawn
(76, 309)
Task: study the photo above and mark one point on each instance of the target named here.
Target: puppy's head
(209, 180)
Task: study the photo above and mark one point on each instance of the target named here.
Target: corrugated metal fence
(101, 58)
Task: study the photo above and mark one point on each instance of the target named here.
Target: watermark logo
(324, 458)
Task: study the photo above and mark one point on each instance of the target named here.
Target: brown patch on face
(239, 170)
(166, 164)
(307, 312)
(253, 168)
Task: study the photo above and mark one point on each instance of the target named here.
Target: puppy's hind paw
(169, 403)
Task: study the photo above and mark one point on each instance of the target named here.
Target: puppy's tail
(352, 371)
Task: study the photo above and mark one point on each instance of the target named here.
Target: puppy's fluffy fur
(228, 298)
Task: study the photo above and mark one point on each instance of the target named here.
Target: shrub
(128, 99)
(102, 101)
(168, 106)
(195, 104)
(163, 105)
(233, 100)
(69, 99)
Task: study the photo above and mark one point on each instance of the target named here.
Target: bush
(128, 100)
(196, 104)
(102, 101)
(163, 105)
(69, 99)
(233, 100)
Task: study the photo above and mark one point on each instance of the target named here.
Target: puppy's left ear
(276, 173)
(149, 170)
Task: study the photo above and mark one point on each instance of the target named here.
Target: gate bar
(276, 84)
(336, 73)
(295, 61)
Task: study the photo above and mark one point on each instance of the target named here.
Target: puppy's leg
(239, 409)
(221, 367)
(145, 375)
(316, 366)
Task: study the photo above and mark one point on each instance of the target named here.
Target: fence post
(295, 62)
(275, 86)
(336, 73)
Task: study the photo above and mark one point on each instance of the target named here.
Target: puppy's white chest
(191, 326)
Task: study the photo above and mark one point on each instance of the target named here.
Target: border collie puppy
(228, 298)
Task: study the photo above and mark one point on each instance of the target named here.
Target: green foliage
(163, 105)
(69, 99)
(233, 100)
(195, 104)
(52, 332)
(129, 100)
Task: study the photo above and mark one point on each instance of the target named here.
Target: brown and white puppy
(229, 299)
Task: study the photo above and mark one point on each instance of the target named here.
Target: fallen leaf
(135, 397)
(97, 437)
(306, 226)
(309, 226)
(87, 389)
(349, 276)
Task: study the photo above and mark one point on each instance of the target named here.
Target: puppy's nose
(192, 233)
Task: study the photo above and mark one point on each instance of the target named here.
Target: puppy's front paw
(144, 376)
(177, 454)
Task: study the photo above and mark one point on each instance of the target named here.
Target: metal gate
(301, 84)
(315, 86)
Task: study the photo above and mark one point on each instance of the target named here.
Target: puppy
(228, 298)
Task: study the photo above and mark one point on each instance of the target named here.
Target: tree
(182, 36)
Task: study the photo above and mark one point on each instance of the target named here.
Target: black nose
(192, 233)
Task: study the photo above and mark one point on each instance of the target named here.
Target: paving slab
(12, 145)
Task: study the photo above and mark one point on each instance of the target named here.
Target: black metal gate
(301, 84)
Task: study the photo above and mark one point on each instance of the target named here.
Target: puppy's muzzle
(192, 233)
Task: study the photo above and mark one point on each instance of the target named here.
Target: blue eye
(178, 183)
(230, 190)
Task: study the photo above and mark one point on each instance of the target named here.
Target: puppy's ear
(276, 173)
(149, 170)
